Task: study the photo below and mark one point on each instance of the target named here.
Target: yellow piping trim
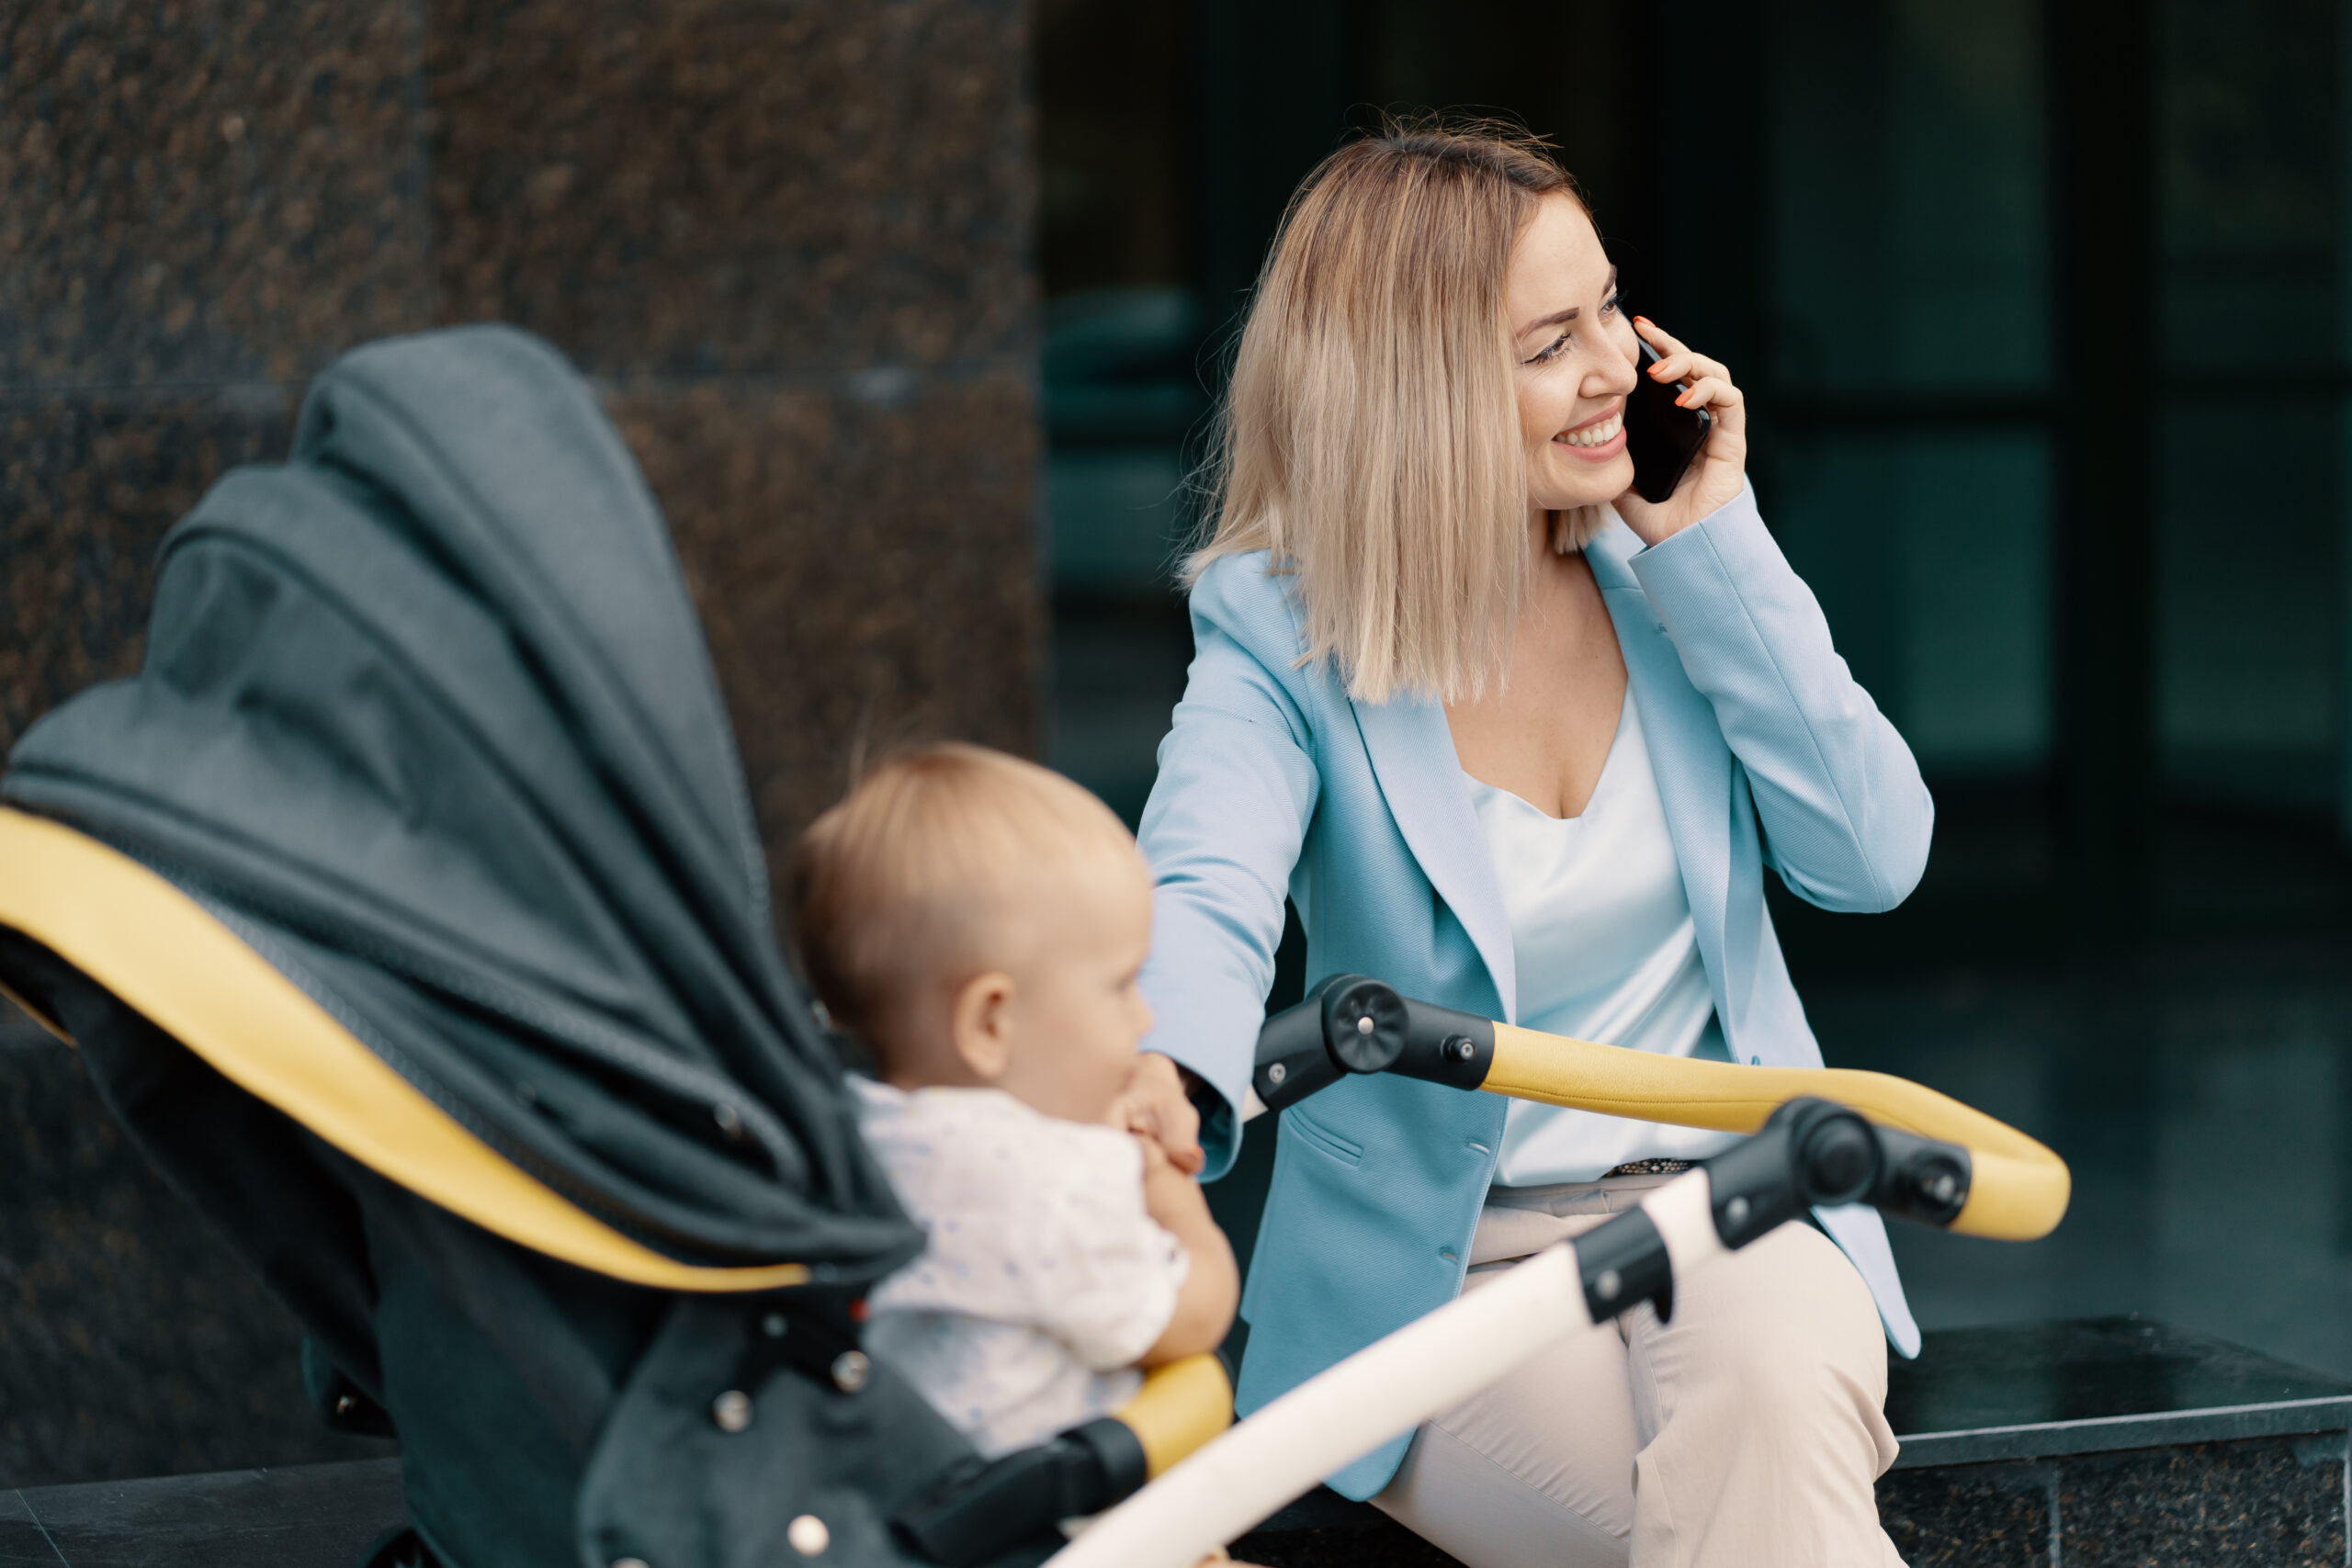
(164, 956)
(1180, 1406)
(2018, 1189)
(36, 1015)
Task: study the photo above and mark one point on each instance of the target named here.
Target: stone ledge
(320, 1516)
(2093, 1441)
(2270, 1500)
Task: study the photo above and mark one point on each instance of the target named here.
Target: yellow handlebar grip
(1180, 1406)
(2018, 1189)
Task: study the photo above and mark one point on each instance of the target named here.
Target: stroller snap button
(807, 1535)
(850, 1369)
(731, 1411)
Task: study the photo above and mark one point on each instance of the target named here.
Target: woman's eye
(1553, 351)
(1608, 307)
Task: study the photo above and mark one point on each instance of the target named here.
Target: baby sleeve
(1106, 1273)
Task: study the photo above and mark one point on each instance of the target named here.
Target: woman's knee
(1786, 1325)
(1799, 1287)
(1788, 1355)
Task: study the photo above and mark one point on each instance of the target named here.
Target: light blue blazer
(1272, 781)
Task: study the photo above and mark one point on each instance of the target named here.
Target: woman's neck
(1544, 728)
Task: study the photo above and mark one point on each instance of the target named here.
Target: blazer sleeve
(1237, 784)
(1846, 817)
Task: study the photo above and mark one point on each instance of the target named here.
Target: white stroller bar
(1810, 1152)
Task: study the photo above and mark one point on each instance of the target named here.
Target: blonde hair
(895, 886)
(1370, 437)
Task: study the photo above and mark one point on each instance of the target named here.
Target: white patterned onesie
(1045, 1279)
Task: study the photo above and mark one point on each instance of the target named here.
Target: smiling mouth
(1599, 432)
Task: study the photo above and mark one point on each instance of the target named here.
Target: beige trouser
(1745, 1433)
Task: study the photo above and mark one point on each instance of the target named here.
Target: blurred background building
(913, 309)
(2044, 311)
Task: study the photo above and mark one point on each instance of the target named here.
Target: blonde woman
(1518, 742)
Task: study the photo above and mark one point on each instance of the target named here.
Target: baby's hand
(1154, 1106)
(1170, 1194)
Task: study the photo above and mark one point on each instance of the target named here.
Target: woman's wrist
(1660, 523)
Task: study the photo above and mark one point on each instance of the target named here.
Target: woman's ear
(981, 1025)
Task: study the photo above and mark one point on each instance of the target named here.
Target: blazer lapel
(1421, 778)
(1685, 744)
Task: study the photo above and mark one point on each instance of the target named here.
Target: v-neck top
(1602, 933)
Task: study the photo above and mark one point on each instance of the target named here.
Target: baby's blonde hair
(895, 886)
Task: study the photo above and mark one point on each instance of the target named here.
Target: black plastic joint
(1624, 1262)
(1812, 1153)
(1353, 1025)
(1293, 1061)
(1456, 1049)
(1348, 1024)
(1363, 1023)
(983, 1509)
(1122, 1465)
(1920, 1179)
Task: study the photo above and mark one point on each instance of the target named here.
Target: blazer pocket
(1347, 1151)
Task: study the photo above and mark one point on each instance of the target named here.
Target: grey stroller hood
(426, 717)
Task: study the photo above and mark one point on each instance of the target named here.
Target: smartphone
(1662, 437)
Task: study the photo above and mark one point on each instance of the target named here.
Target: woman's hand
(1715, 476)
(1155, 1107)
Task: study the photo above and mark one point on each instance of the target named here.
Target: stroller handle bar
(1989, 1179)
(1809, 1152)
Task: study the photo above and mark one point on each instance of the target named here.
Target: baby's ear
(981, 1025)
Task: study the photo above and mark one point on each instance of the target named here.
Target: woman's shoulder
(1253, 600)
(1240, 574)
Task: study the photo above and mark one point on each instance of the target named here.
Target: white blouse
(1601, 929)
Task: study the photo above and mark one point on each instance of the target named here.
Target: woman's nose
(1614, 370)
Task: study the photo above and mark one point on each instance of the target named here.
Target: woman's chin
(1594, 484)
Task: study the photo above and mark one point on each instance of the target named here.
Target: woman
(1517, 742)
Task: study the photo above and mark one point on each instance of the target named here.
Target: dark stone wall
(791, 243)
(130, 1345)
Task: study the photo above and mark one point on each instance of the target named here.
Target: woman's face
(1576, 355)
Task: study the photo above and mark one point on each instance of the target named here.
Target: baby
(979, 921)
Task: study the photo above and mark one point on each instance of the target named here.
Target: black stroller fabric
(427, 719)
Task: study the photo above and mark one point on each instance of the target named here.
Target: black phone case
(1662, 437)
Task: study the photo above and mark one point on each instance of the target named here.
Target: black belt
(1650, 1167)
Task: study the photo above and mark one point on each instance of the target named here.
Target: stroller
(408, 909)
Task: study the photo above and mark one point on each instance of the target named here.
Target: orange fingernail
(1683, 402)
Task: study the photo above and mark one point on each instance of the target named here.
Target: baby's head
(979, 920)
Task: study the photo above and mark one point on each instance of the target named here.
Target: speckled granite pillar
(793, 240)
(200, 204)
(791, 243)
(2276, 1504)
(1974, 1516)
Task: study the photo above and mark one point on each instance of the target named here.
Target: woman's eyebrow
(1558, 318)
(1554, 320)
